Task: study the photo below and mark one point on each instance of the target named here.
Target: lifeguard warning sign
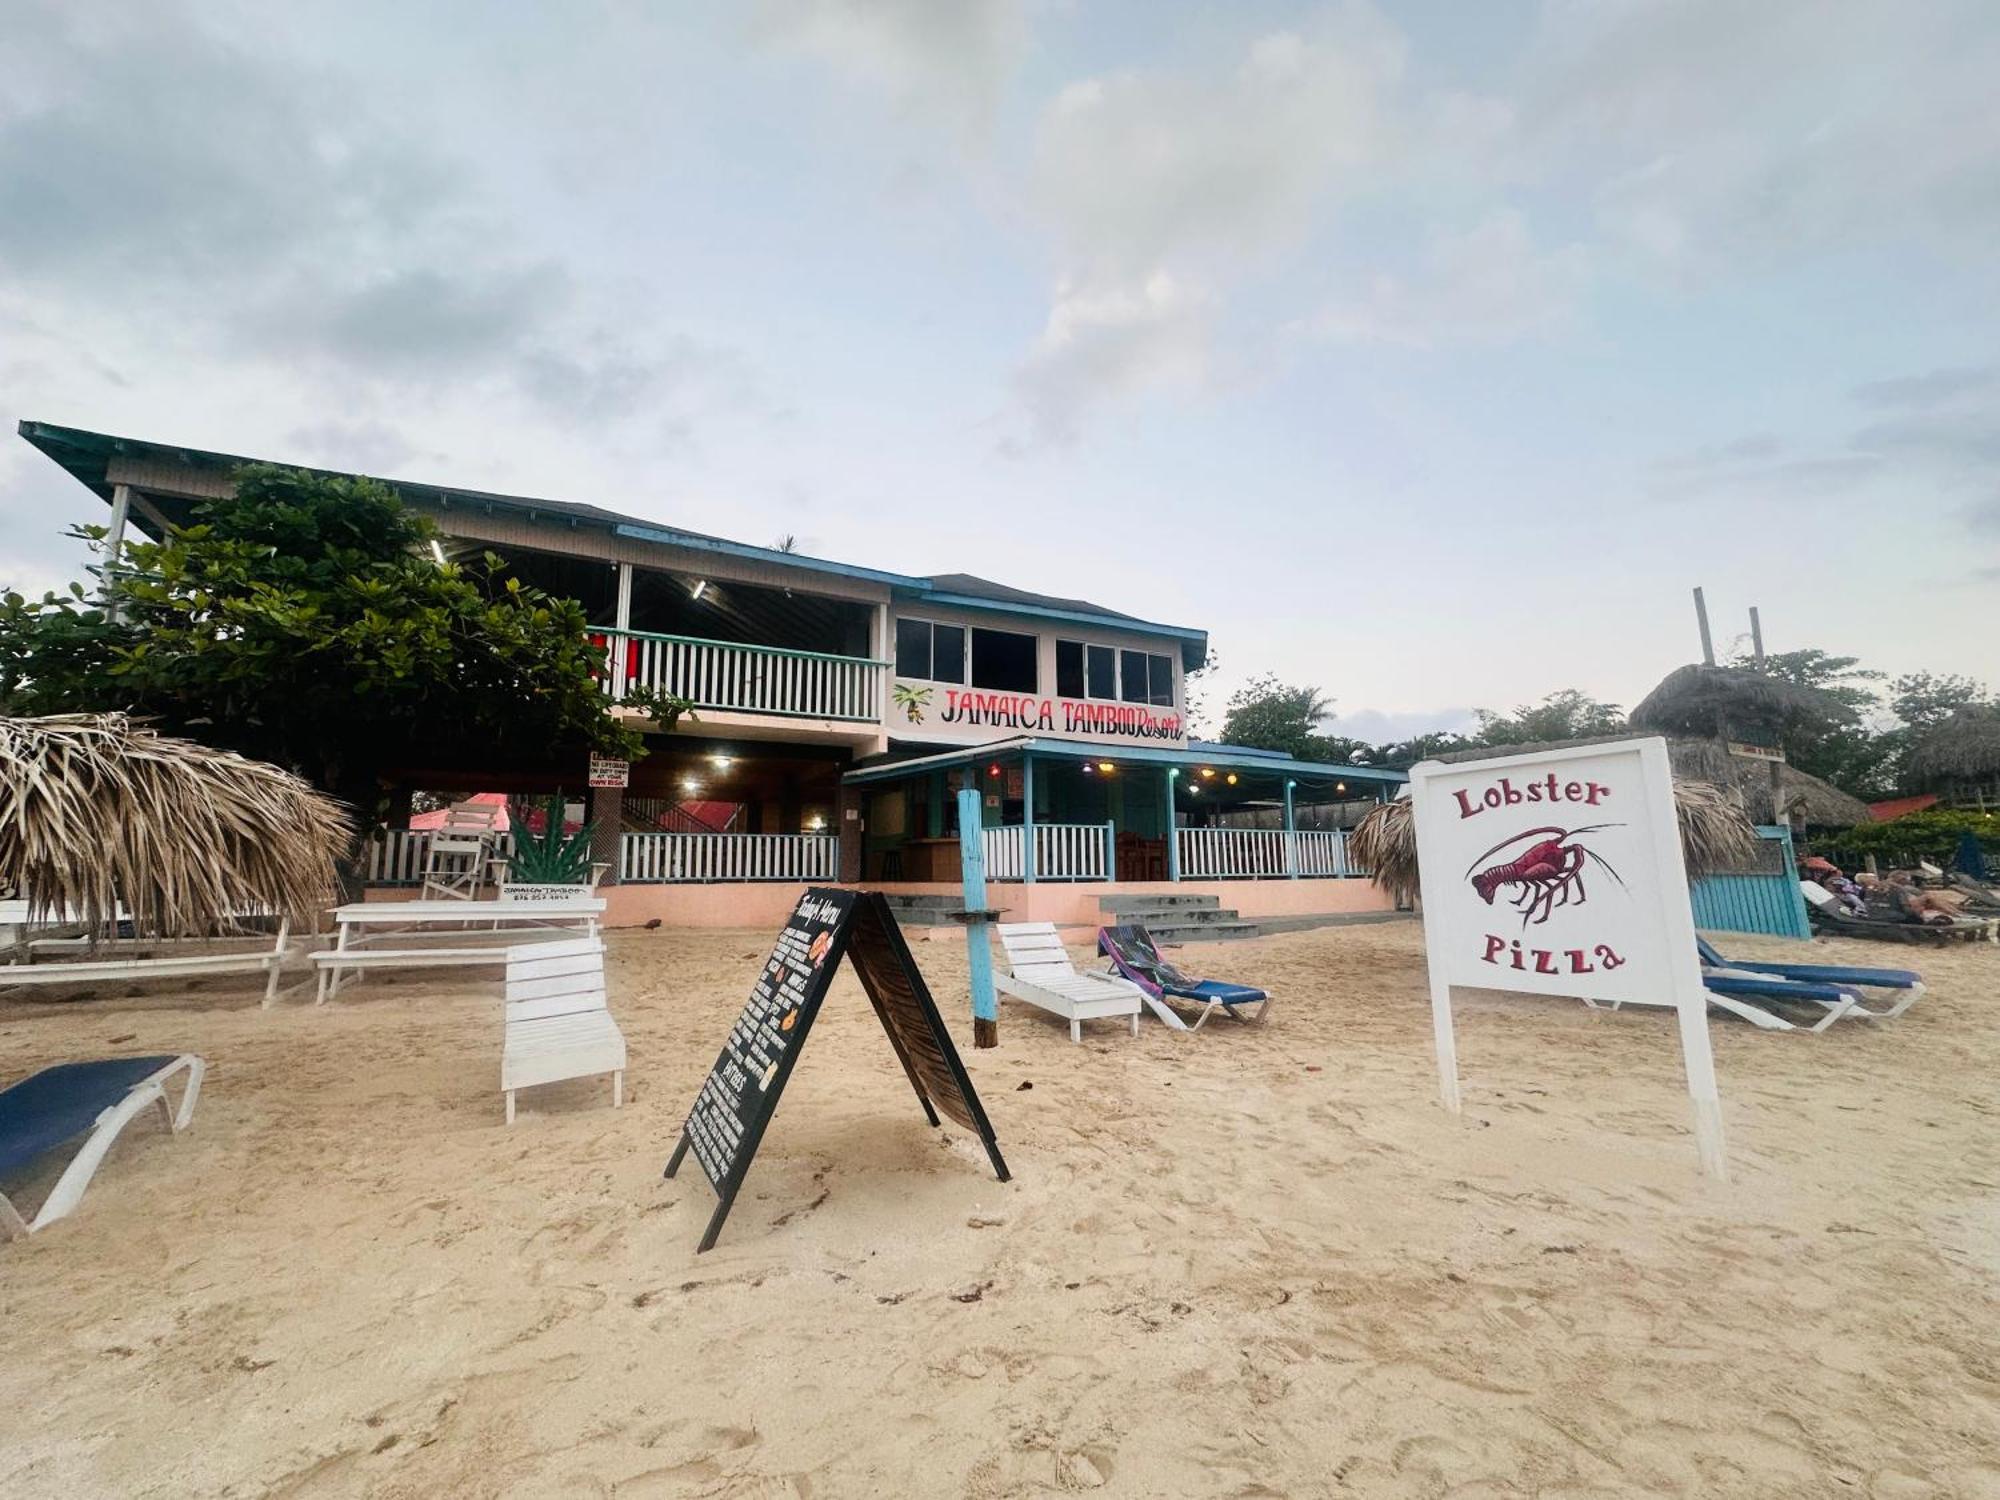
(1561, 874)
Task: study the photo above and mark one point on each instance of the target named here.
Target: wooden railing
(1262, 854)
(395, 856)
(706, 858)
(1063, 851)
(744, 679)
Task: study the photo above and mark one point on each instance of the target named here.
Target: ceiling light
(700, 587)
(1106, 767)
(1208, 773)
(721, 762)
(1088, 768)
(1232, 778)
(690, 785)
(1340, 786)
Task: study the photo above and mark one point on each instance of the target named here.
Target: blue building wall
(1767, 902)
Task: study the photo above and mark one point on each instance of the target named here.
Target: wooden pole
(1774, 770)
(978, 947)
(1701, 619)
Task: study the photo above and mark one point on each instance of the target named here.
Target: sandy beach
(1247, 1262)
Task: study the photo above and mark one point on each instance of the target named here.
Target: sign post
(1561, 874)
(978, 947)
(741, 1092)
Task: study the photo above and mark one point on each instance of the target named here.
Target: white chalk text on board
(971, 714)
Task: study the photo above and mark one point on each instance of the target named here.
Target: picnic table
(416, 928)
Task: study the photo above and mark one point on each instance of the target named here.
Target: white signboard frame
(1560, 873)
(609, 773)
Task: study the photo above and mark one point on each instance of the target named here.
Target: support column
(978, 946)
(848, 813)
(114, 545)
(1173, 827)
(1027, 818)
(1291, 834)
(606, 812)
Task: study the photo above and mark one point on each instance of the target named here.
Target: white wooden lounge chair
(557, 1023)
(455, 860)
(59, 1104)
(1043, 976)
(268, 961)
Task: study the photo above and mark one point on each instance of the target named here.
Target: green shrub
(1931, 835)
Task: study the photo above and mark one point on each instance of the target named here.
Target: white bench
(269, 961)
(557, 1024)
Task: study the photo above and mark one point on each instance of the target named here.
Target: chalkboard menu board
(741, 1092)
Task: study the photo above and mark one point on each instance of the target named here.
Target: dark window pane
(1069, 669)
(948, 664)
(1163, 681)
(1003, 661)
(1103, 672)
(913, 648)
(1132, 668)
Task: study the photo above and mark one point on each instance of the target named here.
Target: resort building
(840, 707)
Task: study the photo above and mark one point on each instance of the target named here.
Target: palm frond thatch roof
(1715, 835)
(95, 811)
(1697, 699)
(1965, 746)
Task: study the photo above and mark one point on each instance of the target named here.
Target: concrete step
(1183, 916)
(925, 911)
(1146, 901)
(1201, 932)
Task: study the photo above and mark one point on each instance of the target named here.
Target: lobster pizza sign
(1561, 874)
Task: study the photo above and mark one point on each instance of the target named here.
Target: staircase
(1178, 919)
(925, 911)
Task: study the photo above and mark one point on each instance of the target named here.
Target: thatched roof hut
(95, 812)
(1962, 748)
(1701, 701)
(1715, 835)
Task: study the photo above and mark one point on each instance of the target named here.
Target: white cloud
(1487, 284)
(1111, 341)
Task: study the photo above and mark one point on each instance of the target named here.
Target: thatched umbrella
(95, 811)
(1715, 835)
(1703, 700)
(1964, 747)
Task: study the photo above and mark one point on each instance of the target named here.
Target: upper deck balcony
(741, 678)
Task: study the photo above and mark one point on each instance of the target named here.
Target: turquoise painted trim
(1291, 829)
(1110, 849)
(667, 536)
(972, 879)
(1173, 827)
(1027, 820)
(1304, 771)
(695, 640)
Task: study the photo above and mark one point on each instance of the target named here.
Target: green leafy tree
(1565, 715)
(1269, 715)
(1923, 700)
(1400, 755)
(308, 621)
(1840, 747)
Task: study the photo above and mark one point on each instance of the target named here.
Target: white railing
(395, 856)
(745, 679)
(1262, 854)
(700, 858)
(1063, 851)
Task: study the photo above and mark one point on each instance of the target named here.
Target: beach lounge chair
(1043, 976)
(59, 1104)
(1906, 984)
(1829, 916)
(1136, 957)
(557, 1024)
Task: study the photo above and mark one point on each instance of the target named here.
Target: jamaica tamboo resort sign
(1561, 874)
(947, 713)
(741, 1092)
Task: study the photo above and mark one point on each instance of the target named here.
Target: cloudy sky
(1428, 352)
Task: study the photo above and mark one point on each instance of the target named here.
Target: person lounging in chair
(1133, 954)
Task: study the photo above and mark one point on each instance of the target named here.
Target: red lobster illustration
(1550, 874)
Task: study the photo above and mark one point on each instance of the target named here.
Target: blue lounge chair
(1752, 997)
(59, 1104)
(1908, 982)
(1133, 954)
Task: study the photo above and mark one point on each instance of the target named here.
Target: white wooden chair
(557, 1023)
(455, 860)
(1043, 976)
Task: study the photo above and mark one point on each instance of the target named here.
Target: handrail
(695, 640)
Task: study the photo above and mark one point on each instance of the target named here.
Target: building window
(1069, 669)
(1085, 671)
(935, 653)
(1147, 678)
(1003, 661)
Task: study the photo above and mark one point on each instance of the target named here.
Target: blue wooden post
(1173, 828)
(1110, 850)
(1027, 818)
(1291, 834)
(978, 948)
